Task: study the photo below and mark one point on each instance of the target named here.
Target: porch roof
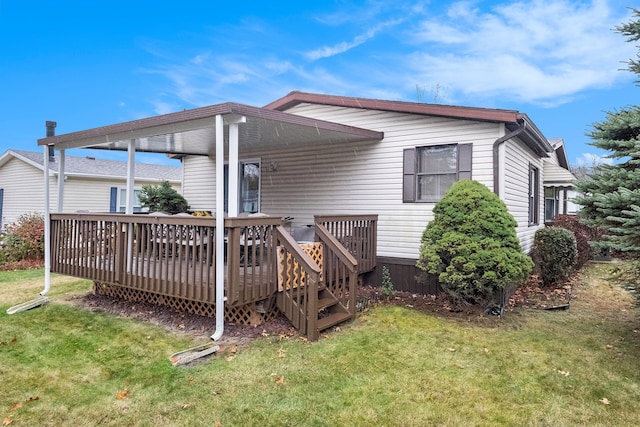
(193, 131)
(557, 176)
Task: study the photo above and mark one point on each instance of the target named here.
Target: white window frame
(121, 200)
(241, 201)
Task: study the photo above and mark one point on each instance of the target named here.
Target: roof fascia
(484, 114)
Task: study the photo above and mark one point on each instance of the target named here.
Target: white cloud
(327, 51)
(541, 52)
(591, 160)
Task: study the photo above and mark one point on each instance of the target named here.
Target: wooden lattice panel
(243, 315)
(289, 268)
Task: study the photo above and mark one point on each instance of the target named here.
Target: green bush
(554, 253)
(471, 245)
(24, 240)
(162, 198)
(583, 234)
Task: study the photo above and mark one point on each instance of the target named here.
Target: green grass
(61, 365)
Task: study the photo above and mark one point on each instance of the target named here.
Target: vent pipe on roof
(51, 131)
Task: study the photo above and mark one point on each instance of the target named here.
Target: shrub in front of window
(162, 198)
(583, 234)
(471, 245)
(554, 253)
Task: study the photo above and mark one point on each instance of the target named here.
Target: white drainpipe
(220, 298)
(47, 225)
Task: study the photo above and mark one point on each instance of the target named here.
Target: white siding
(516, 185)
(358, 178)
(199, 182)
(23, 190)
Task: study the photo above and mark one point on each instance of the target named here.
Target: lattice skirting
(251, 314)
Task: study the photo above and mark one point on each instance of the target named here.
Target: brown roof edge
(474, 113)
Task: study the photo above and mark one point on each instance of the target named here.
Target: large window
(534, 195)
(430, 171)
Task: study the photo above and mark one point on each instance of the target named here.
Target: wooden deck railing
(298, 285)
(357, 233)
(339, 269)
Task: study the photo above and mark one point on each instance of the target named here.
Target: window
(430, 171)
(534, 192)
(249, 186)
(122, 200)
(551, 203)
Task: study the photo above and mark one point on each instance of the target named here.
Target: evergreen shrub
(583, 234)
(471, 245)
(162, 198)
(554, 253)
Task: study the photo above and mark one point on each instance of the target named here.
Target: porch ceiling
(193, 131)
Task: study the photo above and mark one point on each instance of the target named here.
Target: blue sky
(88, 64)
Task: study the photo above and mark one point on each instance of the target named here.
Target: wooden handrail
(334, 244)
(286, 240)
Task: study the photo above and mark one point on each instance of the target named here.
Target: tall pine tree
(611, 193)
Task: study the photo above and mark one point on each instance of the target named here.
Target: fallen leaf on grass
(7, 421)
(609, 346)
(233, 349)
(451, 349)
(605, 401)
(230, 358)
(122, 394)
(33, 398)
(186, 405)
(217, 424)
(282, 353)
(265, 333)
(565, 373)
(16, 406)
(279, 379)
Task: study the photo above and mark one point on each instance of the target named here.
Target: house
(92, 184)
(558, 183)
(355, 180)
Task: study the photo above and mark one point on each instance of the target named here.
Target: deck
(173, 256)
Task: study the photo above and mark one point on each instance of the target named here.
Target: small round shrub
(471, 245)
(554, 253)
(162, 198)
(583, 235)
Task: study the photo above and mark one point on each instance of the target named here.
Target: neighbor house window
(551, 203)
(122, 200)
(534, 195)
(430, 171)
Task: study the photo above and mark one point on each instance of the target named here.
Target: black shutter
(465, 160)
(409, 176)
(1, 200)
(113, 201)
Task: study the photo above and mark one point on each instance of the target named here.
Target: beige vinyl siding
(23, 186)
(199, 182)
(356, 178)
(516, 185)
(23, 190)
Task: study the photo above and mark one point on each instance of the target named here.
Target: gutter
(496, 154)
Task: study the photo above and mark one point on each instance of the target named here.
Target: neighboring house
(91, 184)
(558, 183)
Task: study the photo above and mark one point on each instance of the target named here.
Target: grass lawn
(61, 365)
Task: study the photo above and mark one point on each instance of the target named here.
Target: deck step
(332, 320)
(327, 302)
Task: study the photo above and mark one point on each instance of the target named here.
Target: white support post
(234, 196)
(131, 161)
(47, 225)
(61, 178)
(220, 298)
